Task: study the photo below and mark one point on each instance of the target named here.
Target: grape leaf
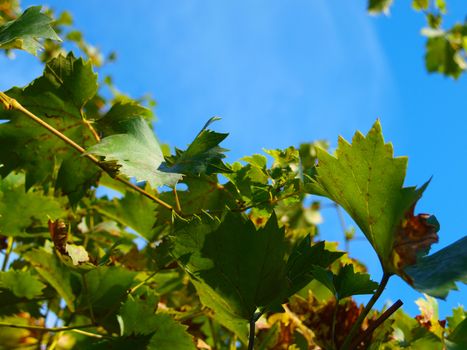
(350, 283)
(302, 261)
(437, 273)
(106, 288)
(132, 210)
(137, 154)
(113, 122)
(22, 211)
(54, 272)
(458, 338)
(378, 6)
(59, 97)
(420, 5)
(441, 57)
(25, 31)
(203, 155)
(346, 283)
(367, 181)
(243, 266)
(170, 335)
(238, 269)
(22, 283)
(139, 318)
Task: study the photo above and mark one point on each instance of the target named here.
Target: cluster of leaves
(194, 252)
(446, 49)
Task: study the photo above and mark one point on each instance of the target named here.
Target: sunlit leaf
(137, 154)
(367, 181)
(22, 283)
(25, 31)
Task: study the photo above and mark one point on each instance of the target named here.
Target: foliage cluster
(446, 49)
(194, 252)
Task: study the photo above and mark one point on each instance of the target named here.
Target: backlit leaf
(436, 274)
(203, 155)
(367, 181)
(25, 31)
(22, 283)
(137, 154)
(24, 212)
(54, 272)
(58, 97)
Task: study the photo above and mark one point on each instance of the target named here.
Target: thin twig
(45, 329)
(10, 103)
(92, 130)
(251, 337)
(366, 310)
(7, 253)
(177, 200)
(142, 283)
(381, 319)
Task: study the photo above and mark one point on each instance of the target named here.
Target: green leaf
(53, 272)
(441, 57)
(169, 335)
(420, 5)
(203, 155)
(137, 153)
(458, 315)
(25, 31)
(238, 269)
(325, 277)
(83, 173)
(346, 283)
(151, 331)
(304, 260)
(134, 211)
(436, 274)
(139, 318)
(131, 314)
(114, 121)
(242, 266)
(106, 289)
(378, 6)
(22, 212)
(350, 283)
(367, 181)
(22, 283)
(58, 97)
(459, 336)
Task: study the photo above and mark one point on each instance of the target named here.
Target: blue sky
(280, 73)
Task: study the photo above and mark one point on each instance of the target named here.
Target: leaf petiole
(366, 310)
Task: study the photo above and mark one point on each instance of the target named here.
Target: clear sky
(284, 72)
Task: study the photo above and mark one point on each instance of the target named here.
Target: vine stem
(46, 329)
(10, 103)
(142, 283)
(383, 317)
(251, 337)
(366, 310)
(7, 253)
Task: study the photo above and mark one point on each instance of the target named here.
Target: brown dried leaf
(59, 234)
(413, 238)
